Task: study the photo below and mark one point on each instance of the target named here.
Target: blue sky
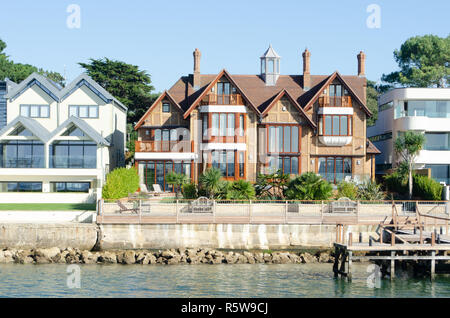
(160, 36)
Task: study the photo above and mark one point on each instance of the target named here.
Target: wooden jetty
(404, 239)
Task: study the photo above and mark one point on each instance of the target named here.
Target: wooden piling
(392, 265)
(433, 265)
(349, 274)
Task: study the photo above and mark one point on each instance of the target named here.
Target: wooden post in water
(392, 239)
(433, 265)
(350, 254)
(433, 238)
(392, 265)
(350, 240)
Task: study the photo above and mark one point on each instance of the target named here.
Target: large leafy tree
(423, 61)
(408, 146)
(17, 72)
(373, 91)
(125, 82)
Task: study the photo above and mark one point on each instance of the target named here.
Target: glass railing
(70, 162)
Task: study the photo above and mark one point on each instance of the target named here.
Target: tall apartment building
(59, 143)
(425, 110)
(250, 124)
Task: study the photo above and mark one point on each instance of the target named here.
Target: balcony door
(223, 93)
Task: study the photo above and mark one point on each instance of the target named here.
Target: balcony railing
(164, 146)
(335, 101)
(213, 99)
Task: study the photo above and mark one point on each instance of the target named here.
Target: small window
(166, 108)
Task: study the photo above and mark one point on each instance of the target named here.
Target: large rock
(88, 258)
(284, 258)
(24, 257)
(127, 257)
(308, 258)
(267, 258)
(6, 256)
(324, 258)
(149, 259)
(47, 255)
(259, 257)
(108, 258)
(250, 258)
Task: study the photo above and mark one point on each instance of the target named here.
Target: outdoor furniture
(202, 205)
(343, 205)
(157, 190)
(123, 208)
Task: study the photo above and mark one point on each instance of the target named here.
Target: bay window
(335, 125)
(334, 169)
(222, 125)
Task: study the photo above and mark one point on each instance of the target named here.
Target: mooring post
(433, 265)
(360, 237)
(392, 265)
(433, 238)
(350, 239)
(336, 261)
(392, 239)
(349, 274)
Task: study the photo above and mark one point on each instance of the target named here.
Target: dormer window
(166, 108)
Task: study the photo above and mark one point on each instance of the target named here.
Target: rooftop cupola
(270, 66)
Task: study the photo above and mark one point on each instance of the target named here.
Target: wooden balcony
(213, 99)
(335, 101)
(164, 146)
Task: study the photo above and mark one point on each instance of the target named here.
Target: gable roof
(32, 125)
(371, 149)
(86, 128)
(59, 94)
(282, 93)
(211, 84)
(325, 84)
(159, 99)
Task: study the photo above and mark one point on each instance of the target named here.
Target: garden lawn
(47, 206)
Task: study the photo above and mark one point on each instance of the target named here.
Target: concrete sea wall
(223, 236)
(29, 236)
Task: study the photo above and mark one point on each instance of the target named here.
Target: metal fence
(169, 210)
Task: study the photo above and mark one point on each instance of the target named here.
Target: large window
(73, 154)
(20, 186)
(440, 173)
(222, 125)
(70, 186)
(334, 169)
(335, 125)
(283, 138)
(225, 162)
(437, 141)
(83, 111)
(287, 164)
(35, 111)
(426, 108)
(22, 154)
(154, 172)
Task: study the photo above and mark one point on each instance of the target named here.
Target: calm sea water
(207, 281)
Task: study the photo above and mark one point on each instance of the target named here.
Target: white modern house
(425, 110)
(59, 143)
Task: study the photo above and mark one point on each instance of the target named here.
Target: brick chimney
(197, 56)
(306, 74)
(361, 64)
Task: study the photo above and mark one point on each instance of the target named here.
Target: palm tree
(210, 181)
(177, 180)
(408, 146)
(241, 190)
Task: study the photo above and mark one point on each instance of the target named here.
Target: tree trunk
(410, 182)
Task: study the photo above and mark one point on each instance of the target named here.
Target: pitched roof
(86, 128)
(258, 94)
(371, 149)
(59, 94)
(282, 93)
(32, 125)
(160, 98)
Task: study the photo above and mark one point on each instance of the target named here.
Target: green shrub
(241, 190)
(211, 182)
(120, 182)
(370, 190)
(426, 188)
(309, 186)
(396, 182)
(189, 190)
(347, 189)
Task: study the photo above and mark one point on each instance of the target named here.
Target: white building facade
(59, 143)
(425, 110)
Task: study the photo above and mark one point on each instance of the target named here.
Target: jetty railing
(171, 210)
